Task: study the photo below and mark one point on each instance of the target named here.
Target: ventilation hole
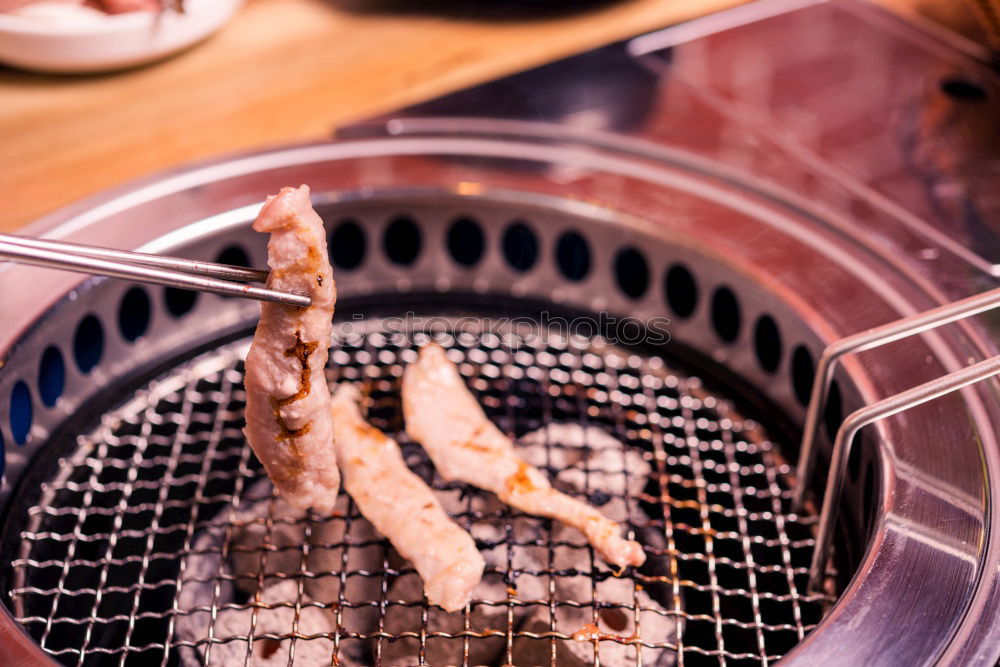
(20, 412)
(520, 246)
(682, 291)
(832, 413)
(802, 374)
(466, 241)
(573, 256)
(402, 240)
(51, 376)
(726, 314)
(958, 88)
(133, 313)
(179, 301)
(348, 245)
(767, 343)
(233, 255)
(88, 343)
(632, 272)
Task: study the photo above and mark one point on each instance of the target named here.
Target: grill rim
(989, 547)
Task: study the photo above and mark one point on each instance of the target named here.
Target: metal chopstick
(169, 271)
(207, 269)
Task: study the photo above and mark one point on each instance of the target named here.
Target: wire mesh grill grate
(159, 541)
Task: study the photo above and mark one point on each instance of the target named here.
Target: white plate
(94, 44)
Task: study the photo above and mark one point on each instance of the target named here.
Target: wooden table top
(283, 71)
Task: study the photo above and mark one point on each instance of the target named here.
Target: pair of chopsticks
(158, 270)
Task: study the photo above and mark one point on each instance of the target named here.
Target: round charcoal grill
(107, 576)
(644, 326)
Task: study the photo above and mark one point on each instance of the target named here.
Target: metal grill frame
(595, 378)
(828, 231)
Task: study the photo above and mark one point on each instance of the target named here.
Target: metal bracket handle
(868, 415)
(867, 340)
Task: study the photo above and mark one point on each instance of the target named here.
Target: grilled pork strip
(288, 422)
(403, 508)
(447, 420)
